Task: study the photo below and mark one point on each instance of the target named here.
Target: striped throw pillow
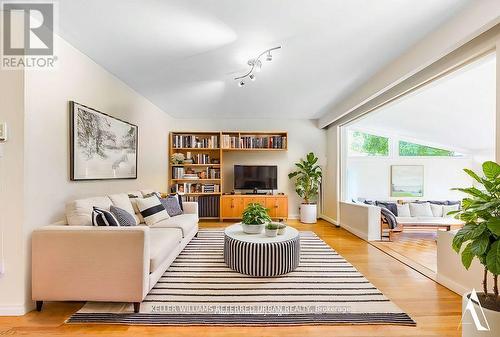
(152, 210)
(102, 217)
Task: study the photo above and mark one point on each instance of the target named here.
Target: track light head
(252, 77)
(241, 83)
(269, 56)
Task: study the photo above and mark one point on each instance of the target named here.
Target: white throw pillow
(152, 210)
(437, 210)
(404, 210)
(449, 208)
(423, 209)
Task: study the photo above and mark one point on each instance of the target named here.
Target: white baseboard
(452, 285)
(354, 231)
(293, 216)
(327, 218)
(14, 310)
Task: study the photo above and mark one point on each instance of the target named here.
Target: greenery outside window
(407, 149)
(365, 144)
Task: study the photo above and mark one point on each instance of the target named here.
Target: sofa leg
(39, 305)
(137, 307)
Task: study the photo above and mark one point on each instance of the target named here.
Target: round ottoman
(260, 255)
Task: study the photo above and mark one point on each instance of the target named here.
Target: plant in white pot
(254, 218)
(307, 180)
(480, 238)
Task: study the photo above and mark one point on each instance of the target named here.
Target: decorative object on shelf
(481, 238)
(407, 180)
(254, 218)
(177, 158)
(255, 65)
(307, 182)
(272, 229)
(102, 146)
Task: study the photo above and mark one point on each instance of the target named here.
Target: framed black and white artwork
(102, 146)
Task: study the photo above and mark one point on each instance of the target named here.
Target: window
(365, 144)
(407, 149)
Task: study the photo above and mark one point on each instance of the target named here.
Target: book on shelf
(205, 173)
(187, 188)
(254, 142)
(195, 142)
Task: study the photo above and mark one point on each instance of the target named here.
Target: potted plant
(307, 181)
(177, 158)
(281, 228)
(480, 237)
(272, 229)
(254, 218)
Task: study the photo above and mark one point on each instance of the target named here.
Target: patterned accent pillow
(102, 217)
(152, 210)
(153, 194)
(171, 204)
(124, 218)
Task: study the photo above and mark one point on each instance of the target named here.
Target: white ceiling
(457, 110)
(182, 55)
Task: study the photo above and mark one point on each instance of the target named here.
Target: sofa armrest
(190, 207)
(85, 263)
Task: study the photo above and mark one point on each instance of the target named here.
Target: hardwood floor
(436, 310)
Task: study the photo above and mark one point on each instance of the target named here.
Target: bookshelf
(199, 176)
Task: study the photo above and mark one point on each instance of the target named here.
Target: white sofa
(79, 262)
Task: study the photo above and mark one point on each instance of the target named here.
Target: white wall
(370, 177)
(303, 137)
(47, 186)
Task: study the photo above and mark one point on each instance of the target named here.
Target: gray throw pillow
(124, 218)
(171, 204)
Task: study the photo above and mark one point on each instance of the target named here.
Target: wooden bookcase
(207, 149)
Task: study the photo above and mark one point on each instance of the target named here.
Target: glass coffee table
(259, 255)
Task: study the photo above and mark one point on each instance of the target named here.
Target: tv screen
(247, 177)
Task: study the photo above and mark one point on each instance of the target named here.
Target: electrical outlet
(3, 132)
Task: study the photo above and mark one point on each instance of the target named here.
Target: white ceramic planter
(252, 229)
(469, 328)
(308, 213)
(281, 231)
(271, 232)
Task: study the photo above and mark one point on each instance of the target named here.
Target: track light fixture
(255, 65)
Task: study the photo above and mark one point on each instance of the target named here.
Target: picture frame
(407, 181)
(102, 147)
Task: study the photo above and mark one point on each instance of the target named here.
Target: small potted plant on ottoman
(281, 228)
(272, 229)
(254, 218)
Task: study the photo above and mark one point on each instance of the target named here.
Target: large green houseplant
(479, 238)
(307, 181)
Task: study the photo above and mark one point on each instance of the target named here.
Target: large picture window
(407, 149)
(365, 144)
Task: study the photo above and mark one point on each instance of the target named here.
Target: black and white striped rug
(199, 288)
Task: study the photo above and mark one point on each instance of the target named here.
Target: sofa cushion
(171, 204)
(79, 212)
(420, 210)
(124, 218)
(450, 208)
(102, 217)
(123, 201)
(403, 210)
(152, 210)
(148, 192)
(162, 242)
(391, 206)
(437, 210)
(186, 222)
(133, 201)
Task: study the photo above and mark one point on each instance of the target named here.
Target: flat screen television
(255, 177)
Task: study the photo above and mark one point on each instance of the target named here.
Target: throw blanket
(389, 217)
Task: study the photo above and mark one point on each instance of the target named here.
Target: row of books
(183, 188)
(195, 142)
(254, 142)
(201, 158)
(208, 205)
(207, 173)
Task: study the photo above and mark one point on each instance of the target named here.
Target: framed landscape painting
(407, 181)
(102, 146)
